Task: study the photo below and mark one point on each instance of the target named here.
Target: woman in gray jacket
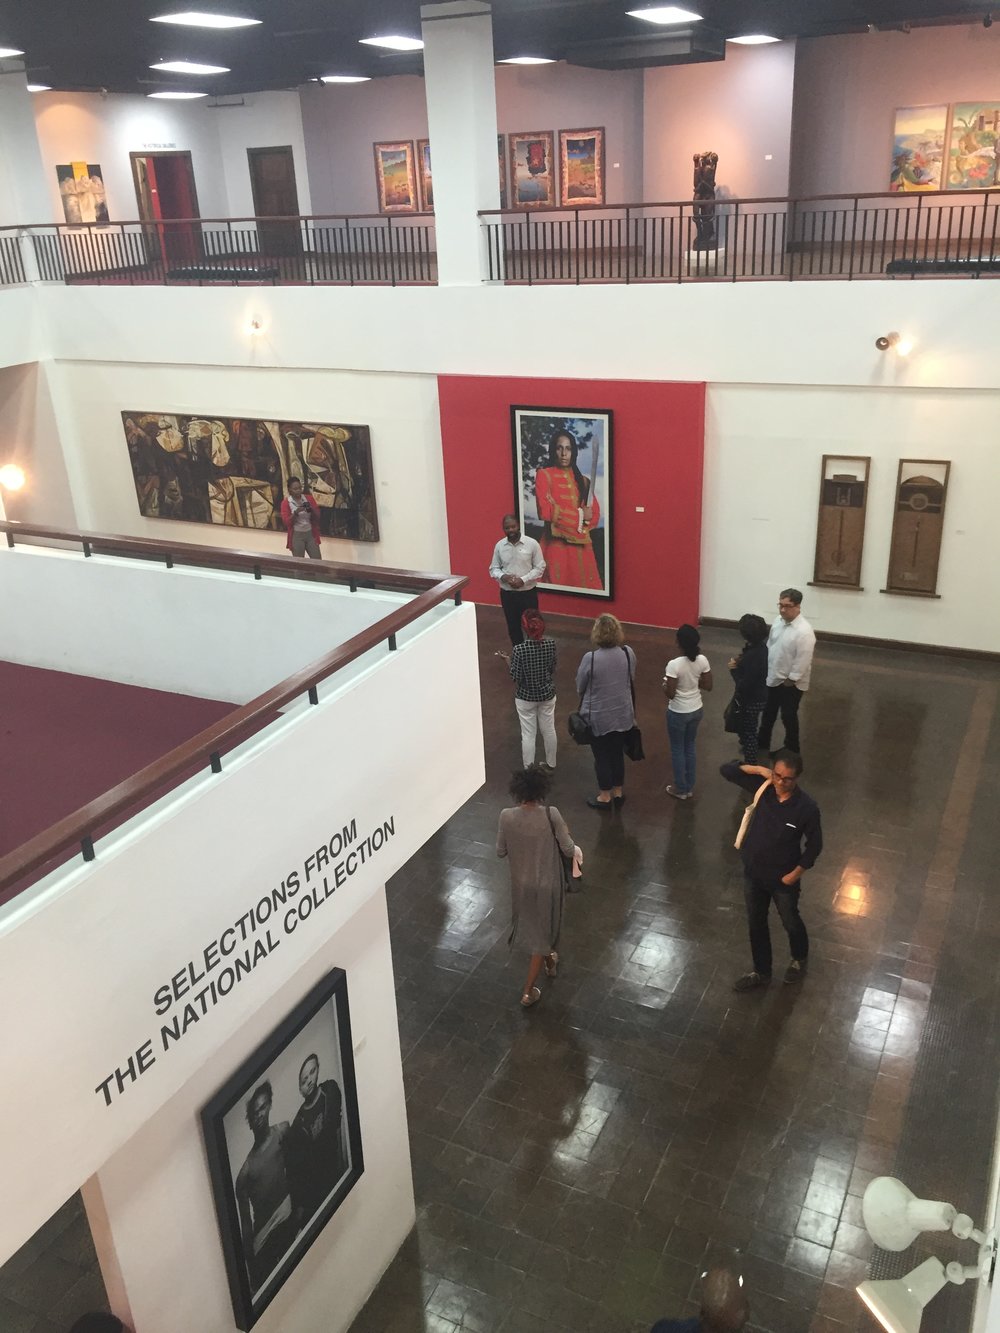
(604, 681)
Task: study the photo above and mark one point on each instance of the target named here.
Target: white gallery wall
(762, 478)
(400, 410)
(30, 438)
(381, 348)
(847, 89)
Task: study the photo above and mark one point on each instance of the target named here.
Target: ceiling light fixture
(9, 51)
(753, 39)
(903, 346)
(39, 87)
(894, 1217)
(12, 477)
(526, 60)
(394, 43)
(665, 14)
(192, 18)
(177, 97)
(345, 78)
(189, 67)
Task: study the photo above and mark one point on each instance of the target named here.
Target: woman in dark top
(749, 673)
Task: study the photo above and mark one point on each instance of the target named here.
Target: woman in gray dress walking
(531, 835)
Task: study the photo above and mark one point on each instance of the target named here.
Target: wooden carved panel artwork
(917, 524)
(840, 527)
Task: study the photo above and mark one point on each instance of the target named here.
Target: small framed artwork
(533, 170)
(917, 526)
(918, 149)
(81, 188)
(395, 177)
(425, 182)
(581, 167)
(502, 164)
(562, 486)
(840, 526)
(974, 153)
(283, 1139)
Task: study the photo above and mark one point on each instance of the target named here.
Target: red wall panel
(658, 457)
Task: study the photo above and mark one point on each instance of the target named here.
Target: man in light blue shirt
(517, 565)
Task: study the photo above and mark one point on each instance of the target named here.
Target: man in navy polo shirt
(782, 843)
(724, 1307)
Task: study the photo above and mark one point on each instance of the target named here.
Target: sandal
(527, 1000)
(551, 964)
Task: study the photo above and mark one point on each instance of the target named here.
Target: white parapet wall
(284, 856)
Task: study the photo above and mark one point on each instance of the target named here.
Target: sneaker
(547, 769)
(751, 981)
(795, 971)
(678, 795)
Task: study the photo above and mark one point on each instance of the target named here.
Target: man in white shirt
(790, 647)
(517, 565)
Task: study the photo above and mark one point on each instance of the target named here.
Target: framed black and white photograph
(562, 489)
(284, 1146)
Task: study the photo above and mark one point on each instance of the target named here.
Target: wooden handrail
(79, 829)
(188, 222)
(219, 557)
(969, 196)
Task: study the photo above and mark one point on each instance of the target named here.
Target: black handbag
(731, 717)
(579, 726)
(632, 743)
(565, 862)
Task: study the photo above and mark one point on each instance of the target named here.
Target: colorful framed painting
(974, 153)
(533, 170)
(502, 164)
(235, 471)
(917, 526)
(283, 1139)
(425, 182)
(581, 167)
(562, 486)
(81, 188)
(918, 148)
(395, 177)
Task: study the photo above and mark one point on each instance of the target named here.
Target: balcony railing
(79, 832)
(951, 233)
(343, 250)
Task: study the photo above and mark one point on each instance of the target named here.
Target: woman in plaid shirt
(533, 667)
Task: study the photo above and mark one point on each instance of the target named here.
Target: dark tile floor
(54, 1278)
(578, 1164)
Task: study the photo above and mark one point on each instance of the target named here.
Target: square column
(462, 123)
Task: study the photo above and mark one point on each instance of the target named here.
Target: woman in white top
(683, 681)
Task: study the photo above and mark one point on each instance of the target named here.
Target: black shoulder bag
(579, 726)
(632, 745)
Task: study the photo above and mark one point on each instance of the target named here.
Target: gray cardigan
(602, 678)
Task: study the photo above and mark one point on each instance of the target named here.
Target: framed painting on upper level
(395, 177)
(533, 171)
(581, 167)
(918, 149)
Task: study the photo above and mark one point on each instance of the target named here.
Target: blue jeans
(681, 731)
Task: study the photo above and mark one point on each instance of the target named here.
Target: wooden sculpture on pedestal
(704, 200)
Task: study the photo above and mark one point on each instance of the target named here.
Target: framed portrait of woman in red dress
(562, 487)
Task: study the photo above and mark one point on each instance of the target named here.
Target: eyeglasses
(784, 777)
(786, 606)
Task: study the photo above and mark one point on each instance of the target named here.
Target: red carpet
(65, 739)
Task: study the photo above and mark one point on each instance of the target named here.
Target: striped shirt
(533, 666)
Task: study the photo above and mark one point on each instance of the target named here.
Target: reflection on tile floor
(577, 1165)
(54, 1278)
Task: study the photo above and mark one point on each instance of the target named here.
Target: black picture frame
(582, 564)
(261, 1255)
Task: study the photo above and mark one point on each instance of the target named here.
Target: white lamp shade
(894, 1217)
(899, 1305)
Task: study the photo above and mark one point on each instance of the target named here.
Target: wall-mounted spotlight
(903, 346)
(12, 477)
(894, 1217)
(254, 326)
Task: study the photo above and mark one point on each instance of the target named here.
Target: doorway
(165, 192)
(272, 180)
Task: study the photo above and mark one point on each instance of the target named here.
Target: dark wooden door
(272, 179)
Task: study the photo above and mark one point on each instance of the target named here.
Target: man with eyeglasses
(783, 841)
(790, 647)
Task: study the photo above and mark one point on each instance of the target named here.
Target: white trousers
(533, 716)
